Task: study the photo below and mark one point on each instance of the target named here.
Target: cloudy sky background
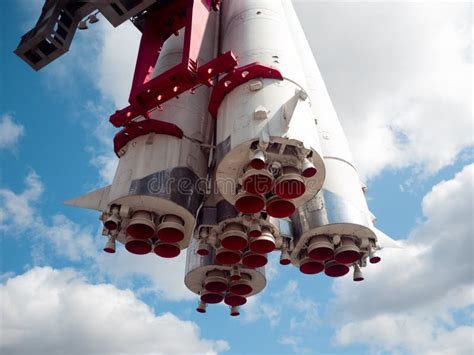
(400, 76)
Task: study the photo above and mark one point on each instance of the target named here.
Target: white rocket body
(340, 208)
(266, 114)
(163, 174)
(282, 174)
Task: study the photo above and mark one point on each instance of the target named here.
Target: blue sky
(400, 78)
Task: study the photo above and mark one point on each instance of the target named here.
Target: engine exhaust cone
(235, 274)
(264, 244)
(110, 246)
(171, 229)
(258, 160)
(259, 182)
(227, 257)
(290, 184)
(279, 208)
(201, 308)
(333, 269)
(373, 258)
(347, 252)
(111, 223)
(211, 297)
(234, 311)
(249, 203)
(285, 258)
(253, 260)
(141, 225)
(308, 169)
(137, 246)
(167, 250)
(234, 237)
(255, 230)
(203, 249)
(215, 282)
(321, 248)
(310, 267)
(358, 276)
(234, 300)
(242, 287)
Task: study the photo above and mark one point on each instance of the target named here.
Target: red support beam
(147, 93)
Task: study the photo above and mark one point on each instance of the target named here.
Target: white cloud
(124, 267)
(47, 311)
(400, 76)
(17, 210)
(10, 132)
(271, 306)
(19, 214)
(295, 344)
(116, 61)
(395, 333)
(407, 301)
(60, 236)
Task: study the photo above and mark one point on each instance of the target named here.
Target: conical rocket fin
(384, 240)
(95, 200)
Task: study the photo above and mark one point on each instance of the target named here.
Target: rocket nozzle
(321, 248)
(308, 169)
(334, 269)
(171, 229)
(254, 260)
(241, 287)
(279, 208)
(137, 246)
(258, 182)
(347, 252)
(234, 300)
(167, 250)
(358, 276)
(234, 311)
(249, 203)
(258, 160)
(215, 282)
(110, 245)
(234, 237)
(211, 297)
(201, 308)
(290, 184)
(227, 256)
(285, 257)
(141, 226)
(263, 244)
(310, 267)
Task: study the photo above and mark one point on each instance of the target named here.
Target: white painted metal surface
(265, 110)
(153, 153)
(341, 208)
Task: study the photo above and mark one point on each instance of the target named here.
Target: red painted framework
(139, 128)
(237, 77)
(147, 93)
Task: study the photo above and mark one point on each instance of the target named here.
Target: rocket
(230, 148)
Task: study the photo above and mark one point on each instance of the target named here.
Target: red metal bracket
(237, 77)
(147, 93)
(140, 128)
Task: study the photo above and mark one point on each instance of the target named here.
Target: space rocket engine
(230, 148)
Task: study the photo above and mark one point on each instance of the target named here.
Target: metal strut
(147, 93)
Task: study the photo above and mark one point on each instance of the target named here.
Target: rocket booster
(231, 149)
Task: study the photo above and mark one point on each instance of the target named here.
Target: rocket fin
(384, 241)
(95, 200)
